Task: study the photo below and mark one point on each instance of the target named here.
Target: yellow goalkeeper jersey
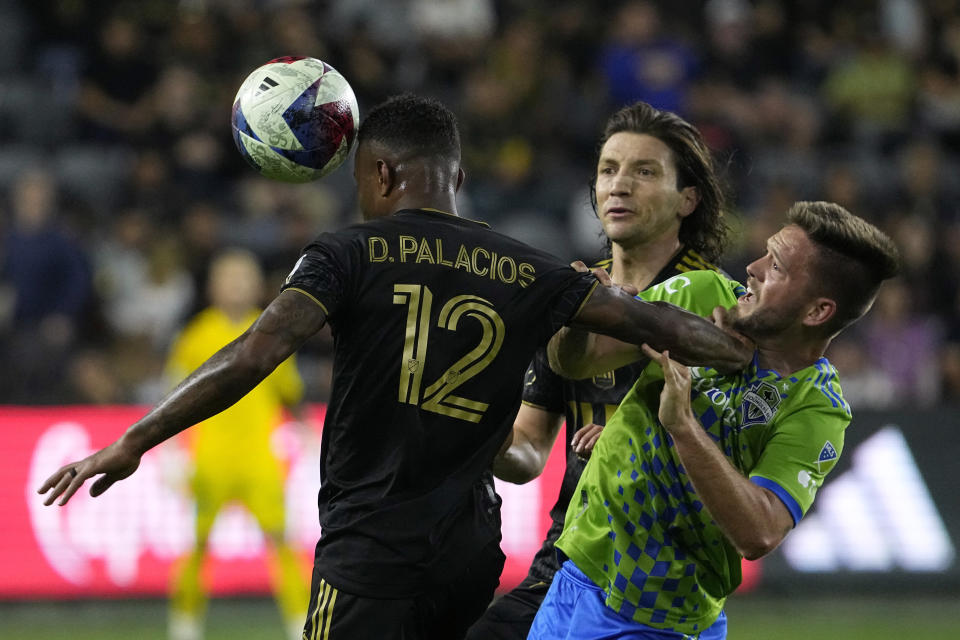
(241, 433)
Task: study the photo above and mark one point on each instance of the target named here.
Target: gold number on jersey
(418, 300)
(438, 396)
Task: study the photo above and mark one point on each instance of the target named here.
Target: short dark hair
(854, 258)
(413, 126)
(706, 229)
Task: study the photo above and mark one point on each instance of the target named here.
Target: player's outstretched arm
(218, 383)
(690, 339)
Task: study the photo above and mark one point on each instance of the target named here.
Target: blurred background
(119, 181)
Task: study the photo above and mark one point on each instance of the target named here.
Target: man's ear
(461, 176)
(385, 178)
(691, 198)
(819, 312)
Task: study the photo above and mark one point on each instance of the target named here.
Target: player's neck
(445, 202)
(786, 356)
(426, 187)
(640, 264)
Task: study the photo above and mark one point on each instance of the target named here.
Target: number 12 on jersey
(438, 396)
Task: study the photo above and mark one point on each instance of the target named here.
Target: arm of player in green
(215, 385)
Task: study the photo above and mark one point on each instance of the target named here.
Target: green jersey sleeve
(805, 443)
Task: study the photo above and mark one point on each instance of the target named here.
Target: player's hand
(675, 413)
(721, 317)
(604, 277)
(584, 440)
(115, 462)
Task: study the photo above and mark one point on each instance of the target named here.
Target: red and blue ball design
(295, 119)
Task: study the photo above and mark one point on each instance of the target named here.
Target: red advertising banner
(125, 542)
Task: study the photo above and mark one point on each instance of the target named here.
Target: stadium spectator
(643, 62)
(155, 297)
(116, 84)
(906, 346)
(871, 91)
(46, 277)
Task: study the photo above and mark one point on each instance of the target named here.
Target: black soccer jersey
(582, 402)
(435, 319)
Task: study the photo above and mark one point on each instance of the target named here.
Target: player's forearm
(690, 339)
(569, 353)
(232, 372)
(746, 513)
(577, 354)
(520, 462)
(217, 384)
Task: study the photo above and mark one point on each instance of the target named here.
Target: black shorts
(510, 617)
(443, 613)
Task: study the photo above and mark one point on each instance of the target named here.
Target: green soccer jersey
(636, 526)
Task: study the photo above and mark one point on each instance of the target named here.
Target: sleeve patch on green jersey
(827, 454)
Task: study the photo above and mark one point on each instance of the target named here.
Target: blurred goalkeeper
(233, 461)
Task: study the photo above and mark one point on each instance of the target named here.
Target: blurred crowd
(119, 180)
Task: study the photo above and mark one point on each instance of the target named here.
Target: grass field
(750, 618)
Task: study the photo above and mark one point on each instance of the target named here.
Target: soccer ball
(295, 119)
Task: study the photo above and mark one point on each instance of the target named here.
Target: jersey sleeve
(696, 291)
(803, 448)
(574, 290)
(323, 272)
(542, 388)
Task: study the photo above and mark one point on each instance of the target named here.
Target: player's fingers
(575, 440)
(101, 484)
(718, 316)
(650, 352)
(51, 481)
(76, 481)
(57, 484)
(580, 433)
(662, 358)
(579, 265)
(603, 277)
(669, 370)
(592, 440)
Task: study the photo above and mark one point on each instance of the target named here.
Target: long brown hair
(706, 229)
